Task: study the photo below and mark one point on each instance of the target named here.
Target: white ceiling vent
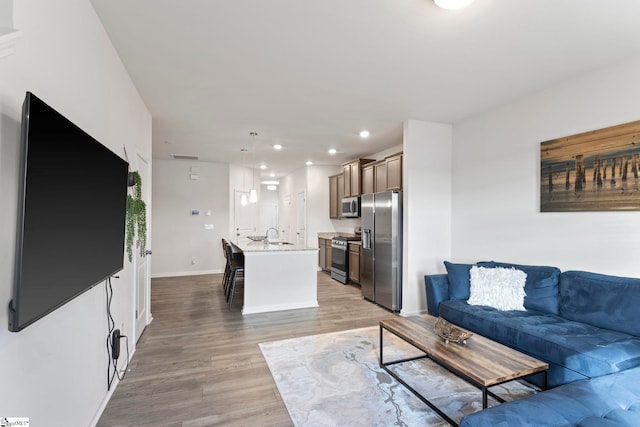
(185, 156)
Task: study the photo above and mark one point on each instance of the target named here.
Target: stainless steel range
(340, 258)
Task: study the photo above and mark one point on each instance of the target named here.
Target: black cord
(111, 326)
(115, 362)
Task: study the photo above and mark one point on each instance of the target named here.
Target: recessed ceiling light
(277, 147)
(272, 174)
(332, 151)
(263, 167)
(364, 134)
(453, 4)
(309, 163)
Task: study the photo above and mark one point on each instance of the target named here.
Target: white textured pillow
(501, 288)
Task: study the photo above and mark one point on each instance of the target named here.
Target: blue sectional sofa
(608, 401)
(585, 325)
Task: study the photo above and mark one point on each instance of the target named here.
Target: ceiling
(310, 74)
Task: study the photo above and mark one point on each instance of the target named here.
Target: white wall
(496, 179)
(318, 220)
(178, 236)
(6, 13)
(268, 210)
(242, 179)
(54, 371)
(291, 185)
(426, 207)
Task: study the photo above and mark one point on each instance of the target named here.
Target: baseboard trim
(279, 307)
(405, 313)
(107, 397)
(185, 273)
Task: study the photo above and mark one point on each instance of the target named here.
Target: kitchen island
(278, 276)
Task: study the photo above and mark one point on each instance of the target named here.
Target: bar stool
(226, 264)
(236, 265)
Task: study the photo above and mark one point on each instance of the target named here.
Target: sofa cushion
(541, 287)
(611, 400)
(458, 280)
(580, 347)
(501, 288)
(600, 300)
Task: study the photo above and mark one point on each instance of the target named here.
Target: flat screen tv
(71, 214)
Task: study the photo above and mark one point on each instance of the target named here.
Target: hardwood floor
(198, 363)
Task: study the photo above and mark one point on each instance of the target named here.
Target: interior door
(142, 288)
(301, 219)
(268, 217)
(285, 218)
(244, 217)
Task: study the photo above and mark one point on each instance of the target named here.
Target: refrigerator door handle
(366, 239)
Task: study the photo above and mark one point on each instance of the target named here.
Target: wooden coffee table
(481, 362)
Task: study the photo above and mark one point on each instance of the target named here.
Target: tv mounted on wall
(71, 214)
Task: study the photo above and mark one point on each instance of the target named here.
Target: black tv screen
(71, 214)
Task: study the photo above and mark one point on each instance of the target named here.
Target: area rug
(335, 380)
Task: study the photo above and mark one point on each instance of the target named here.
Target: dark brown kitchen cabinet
(383, 175)
(380, 169)
(354, 262)
(334, 202)
(394, 172)
(368, 179)
(324, 254)
(352, 172)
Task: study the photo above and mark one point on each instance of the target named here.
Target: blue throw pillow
(458, 275)
(541, 287)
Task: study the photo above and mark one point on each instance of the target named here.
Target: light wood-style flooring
(198, 363)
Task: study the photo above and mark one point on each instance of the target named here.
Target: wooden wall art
(592, 171)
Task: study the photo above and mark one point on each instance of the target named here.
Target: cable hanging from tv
(113, 341)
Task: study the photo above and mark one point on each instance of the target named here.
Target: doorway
(301, 219)
(142, 288)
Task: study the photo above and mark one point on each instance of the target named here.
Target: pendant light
(243, 197)
(253, 194)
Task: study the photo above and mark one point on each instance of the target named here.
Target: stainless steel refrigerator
(381, 274)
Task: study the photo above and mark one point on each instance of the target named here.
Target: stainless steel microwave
(351, 207)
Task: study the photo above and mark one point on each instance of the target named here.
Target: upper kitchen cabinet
(394, 172)
(383, 175)
(336, 193)
(334, 201)
(368, 179)
(352, 172)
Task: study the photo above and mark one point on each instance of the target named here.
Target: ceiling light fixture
(309, 163)
(253, 193)
(332, 151)
(271, 187)
(277, 147)
(263, 166)
(364, 134)
(453, 4)
(272, 174)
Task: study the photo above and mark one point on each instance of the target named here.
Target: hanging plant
(136, 219)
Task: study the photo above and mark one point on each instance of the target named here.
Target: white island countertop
(278, 276)
(272, 246)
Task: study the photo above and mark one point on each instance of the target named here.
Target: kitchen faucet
(266, 235)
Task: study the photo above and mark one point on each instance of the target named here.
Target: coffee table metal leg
(385, 366)
(484, 398)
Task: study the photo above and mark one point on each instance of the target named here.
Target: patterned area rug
(335, 379)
